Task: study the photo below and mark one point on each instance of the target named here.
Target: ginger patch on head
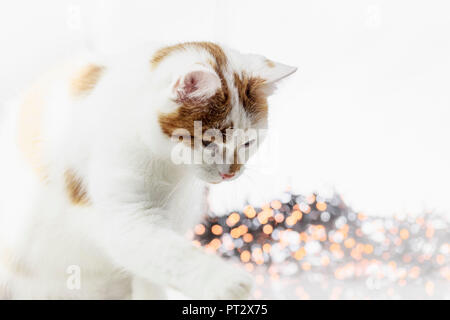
(213, 49)
(164, 52)
(85, 80)
(253, 100)
(211, 112)
(75, 189)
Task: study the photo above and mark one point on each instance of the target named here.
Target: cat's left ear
(197, 83)
(273, 72)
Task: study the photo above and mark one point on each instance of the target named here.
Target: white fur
(130, 242)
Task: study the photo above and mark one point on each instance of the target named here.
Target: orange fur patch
(214, 49)
(29, 135)
(270, 63)
(85, 79)
(211, 113)
(11, 263)
(251, 97)
(75, 189)
(164, 52)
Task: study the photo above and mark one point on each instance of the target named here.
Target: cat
(93, 204)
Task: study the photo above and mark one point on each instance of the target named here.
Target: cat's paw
(228, 283)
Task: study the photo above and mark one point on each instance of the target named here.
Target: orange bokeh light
(306, 266)
(267, 247)
(250, 212)
(321, 206)
(290, 221)
(349, 243)
(235, 233)
(248, 237)
(404, 234)
(217, 229)
(233, 219)
(199, 229)
(279, 217)
(297, 214)
(214, 244)
(267, 229)
(245, 256)
(276, 204)
(300, 253)
(368, 249)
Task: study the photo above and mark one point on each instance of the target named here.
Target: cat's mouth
(227, 176)
(224, 178)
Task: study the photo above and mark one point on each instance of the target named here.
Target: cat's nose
(227, 175)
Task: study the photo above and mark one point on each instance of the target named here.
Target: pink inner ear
(191, 82)
(197, 85)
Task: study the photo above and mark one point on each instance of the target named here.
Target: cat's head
(216, 112)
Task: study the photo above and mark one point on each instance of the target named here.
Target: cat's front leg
(141, 243)
(139, 236)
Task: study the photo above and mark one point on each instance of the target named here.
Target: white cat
(93, 204)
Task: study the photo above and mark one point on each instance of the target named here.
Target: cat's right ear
(196, 85)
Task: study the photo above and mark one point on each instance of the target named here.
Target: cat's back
(31, 126)
(36, 216)
(50, 127)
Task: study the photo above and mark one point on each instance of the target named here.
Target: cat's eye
(208, 140)
(248, 143)
(206, 143)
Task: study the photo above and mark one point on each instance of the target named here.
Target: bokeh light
(314, 248)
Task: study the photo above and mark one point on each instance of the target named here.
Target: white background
(367, 113)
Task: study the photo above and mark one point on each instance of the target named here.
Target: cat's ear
(273, 72)
(196, 84)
